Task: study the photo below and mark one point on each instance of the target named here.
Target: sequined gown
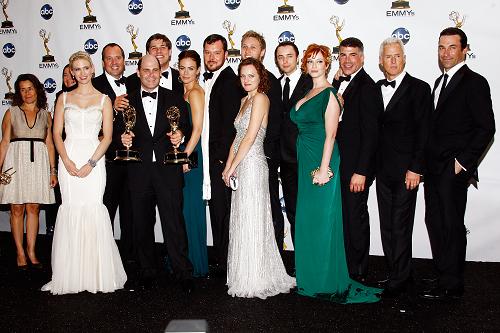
(254, 268)
(84, 253)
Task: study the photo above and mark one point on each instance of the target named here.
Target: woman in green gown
(321, 268)
(194, 206)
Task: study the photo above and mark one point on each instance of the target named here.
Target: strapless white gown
(84, 253)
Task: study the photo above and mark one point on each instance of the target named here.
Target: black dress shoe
(442, 293)
(131, 285)
(187, 286)
(430, 281)
(382, 283)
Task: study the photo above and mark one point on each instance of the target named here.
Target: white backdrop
(371, 21)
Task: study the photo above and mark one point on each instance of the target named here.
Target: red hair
(311, 51)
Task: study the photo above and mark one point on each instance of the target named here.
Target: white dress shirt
(450, 73)
(294, 79)
(164, 82)
(344, 84)
(388, 92)
(118, 90)
(150, 105)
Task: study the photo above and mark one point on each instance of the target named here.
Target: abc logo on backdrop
(46, 11)
(232, 4)
(183, 43)
(341, 2)
(286, 36)
(49, 85)
(403, 34)
(9, 50)
(135, 6)
(91, 46)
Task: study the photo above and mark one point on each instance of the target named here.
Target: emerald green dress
(195, 216)
(320, 261)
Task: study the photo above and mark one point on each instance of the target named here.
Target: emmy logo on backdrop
(400, 4)
(89, 18)
(6, 23)
(133, 36)
(181, 14)
(232, 52)
(335, 20)
(8, 75)
(286, 8)
(175, 156)
(6, 177)
(46, 37)
(128, 155)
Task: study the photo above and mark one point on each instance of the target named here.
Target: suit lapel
(398, 93)
(455, 80)
(141, 122)
(298, 92)
(352, 85)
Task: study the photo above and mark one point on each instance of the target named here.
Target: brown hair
(264, 83)
(41, 98)
(311, 51)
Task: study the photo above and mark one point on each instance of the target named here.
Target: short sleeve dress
(28, 159)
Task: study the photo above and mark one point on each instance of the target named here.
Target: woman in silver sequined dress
(254, 267)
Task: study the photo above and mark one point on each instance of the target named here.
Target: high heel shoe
(35, 265)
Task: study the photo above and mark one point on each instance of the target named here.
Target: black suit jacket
(225, 100)
(146, 143)
(289, 131)
(357, 133)
(404, 129)
(133, 83)
(271, 142)
(101, 83)
(462, 123)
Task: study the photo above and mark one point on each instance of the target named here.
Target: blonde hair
(78, 56)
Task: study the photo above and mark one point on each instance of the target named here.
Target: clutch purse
(314, 171)
(233, 183)
(6, 177)
(193, 160)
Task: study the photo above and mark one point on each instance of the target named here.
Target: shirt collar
(453, 70)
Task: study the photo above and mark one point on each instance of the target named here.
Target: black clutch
(193, 160)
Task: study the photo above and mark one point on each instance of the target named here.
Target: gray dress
(28, 156)
(255, 268)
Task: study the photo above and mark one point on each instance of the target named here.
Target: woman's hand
(70, 167)
(84, 171)
(321, 177)
(186, 168)
(53, 181)
(226, 174)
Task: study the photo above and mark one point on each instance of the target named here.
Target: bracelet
(92, 163)
(314, 171)
(53, 171)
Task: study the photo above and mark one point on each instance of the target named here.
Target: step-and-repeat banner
(38, 37)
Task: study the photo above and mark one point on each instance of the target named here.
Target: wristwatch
(92, 163)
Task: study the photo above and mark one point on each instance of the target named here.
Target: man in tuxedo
(294, 86)
(116, 194)
(462, 126)
(159, 46)
(223, 95)
(152, 183)
(400, 161)
(357, 136)
(253, 45)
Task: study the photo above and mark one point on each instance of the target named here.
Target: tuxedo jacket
(145, 142)
(289, 131)
(357, 133)
(271, 142)
(404, 129)
(133, 83)
(462, 123)
(224, 104)
(101, 83)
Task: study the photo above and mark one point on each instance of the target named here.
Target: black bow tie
(208, 76)
(149, 94)
(389, 83)
(120, 81)
(165, 75)
(344, 78)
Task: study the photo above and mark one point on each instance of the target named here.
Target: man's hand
(127, 139)
(121, 103)
(175, 137)
(412, 180)
(458, 167)
(357, 183)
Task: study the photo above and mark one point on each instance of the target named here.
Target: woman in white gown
(84, 253)
(254, 267)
